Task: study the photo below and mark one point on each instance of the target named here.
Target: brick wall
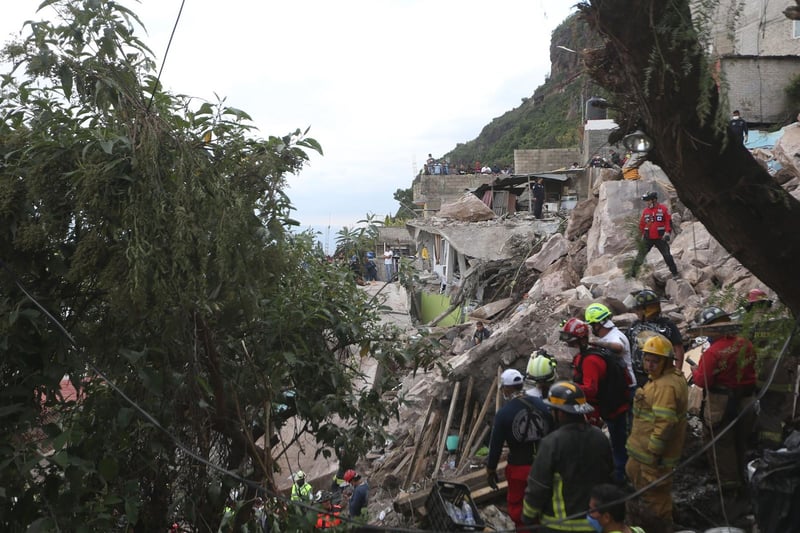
(756, 86)
(544, 160)
(435, 190)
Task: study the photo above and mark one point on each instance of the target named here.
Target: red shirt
(729, 362)
(589, 373)
(655, 219)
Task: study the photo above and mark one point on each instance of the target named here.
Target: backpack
(638, 334)
(613, 390)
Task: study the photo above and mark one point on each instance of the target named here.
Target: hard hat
(299, 475)
(709, 315)
(541, 368)
(574, 329)
(568, 397)
(510, 378)
(596, 313)
(652, 195)
(323, 496)
(350, 475)
(649, 301)
(658, 345)
(757, 295)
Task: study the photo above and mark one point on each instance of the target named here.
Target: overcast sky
(381, 83)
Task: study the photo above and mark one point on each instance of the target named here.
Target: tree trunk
(654, 65)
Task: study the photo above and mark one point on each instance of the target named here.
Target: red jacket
(729, 362)
(589, 373)
(655, 222)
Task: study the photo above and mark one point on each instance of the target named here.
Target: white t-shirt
(388, 256)
(616, 336)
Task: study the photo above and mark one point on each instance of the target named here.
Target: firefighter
(330, 515)
(657, 437)
(541, 372)
(726, 371)
(301, 490)
(571, 460)
(647, 307)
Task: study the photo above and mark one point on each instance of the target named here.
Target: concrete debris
(468, 208)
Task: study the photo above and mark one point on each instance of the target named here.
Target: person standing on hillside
(655, 227)
(738, 126)
(521, 423)
(538, 197)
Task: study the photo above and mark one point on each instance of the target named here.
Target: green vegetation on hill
(549, 119)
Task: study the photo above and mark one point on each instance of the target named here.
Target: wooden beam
(418, 442)
(443, 440)
(462, 426)
(410, 503)
(478, 421)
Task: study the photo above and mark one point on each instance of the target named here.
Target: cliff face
(550, 117)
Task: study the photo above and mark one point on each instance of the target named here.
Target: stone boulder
(580, 219)
(554, 249)
(468, 208)
(787, 149)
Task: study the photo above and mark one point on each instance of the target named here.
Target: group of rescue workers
(349, 490)
(634, 386)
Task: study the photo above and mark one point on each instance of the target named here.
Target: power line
(166, 52)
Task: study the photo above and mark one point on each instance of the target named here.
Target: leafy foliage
(155, 228)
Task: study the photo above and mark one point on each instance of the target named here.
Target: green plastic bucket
(451, 443)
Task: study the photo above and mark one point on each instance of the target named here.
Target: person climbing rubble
(521, 424)
(655, 227)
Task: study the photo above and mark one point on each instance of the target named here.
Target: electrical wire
(166, 52)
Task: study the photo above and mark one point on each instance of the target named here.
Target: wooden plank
(450, 414)
(478, 422)
(427, 444)
(491, 309)
(418, 442)
(411, 502)
(401, 464)
(465, 412)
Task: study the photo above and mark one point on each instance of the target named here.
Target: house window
(796, 29)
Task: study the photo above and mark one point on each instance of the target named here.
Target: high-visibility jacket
(303, 492)
(659, 420)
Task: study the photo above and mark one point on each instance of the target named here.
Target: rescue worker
(301, 491)
(598, 317)
(571, 460)
(768, 331)
(357, 505)
(521, 423)
(655, 227)
(603, 378)
(647, 306)
(330, 515)
(541, 372)
(657, 437)
(726, 371)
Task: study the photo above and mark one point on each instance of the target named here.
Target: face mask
(595, 524)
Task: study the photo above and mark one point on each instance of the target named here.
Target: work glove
(491, 478)
(666, 238)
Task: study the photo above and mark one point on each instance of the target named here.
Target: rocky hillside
(550, 117)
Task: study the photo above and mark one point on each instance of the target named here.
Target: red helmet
(756, 295)
(574, 329)
(350, 475)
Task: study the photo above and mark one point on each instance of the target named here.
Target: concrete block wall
(756, 86)
(435, 190)
(544, 160)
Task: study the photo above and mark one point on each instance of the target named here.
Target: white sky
(382, 83)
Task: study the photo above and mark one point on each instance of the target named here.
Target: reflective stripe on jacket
(659, 420)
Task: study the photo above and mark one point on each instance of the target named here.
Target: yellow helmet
(658, 345)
